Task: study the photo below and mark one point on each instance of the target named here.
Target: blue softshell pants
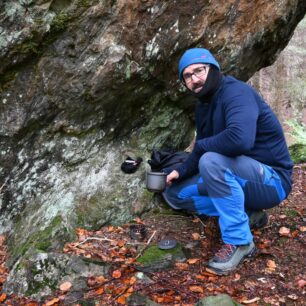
(226, 187)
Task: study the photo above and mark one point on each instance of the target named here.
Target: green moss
(37, 286)
(38, 240)
(60, 22)
(154, 253)
(84, 3)
(291, 213)
(7, 79)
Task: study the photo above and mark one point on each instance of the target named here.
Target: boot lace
(226, 251)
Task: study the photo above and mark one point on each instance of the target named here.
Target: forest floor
(275, 276)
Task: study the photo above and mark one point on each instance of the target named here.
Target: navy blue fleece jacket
(237, 121)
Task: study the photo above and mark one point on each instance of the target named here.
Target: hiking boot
(257, 218)
(229, 257)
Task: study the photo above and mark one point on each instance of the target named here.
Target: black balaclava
(210, 86)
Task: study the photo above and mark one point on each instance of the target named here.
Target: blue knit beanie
(196, 56)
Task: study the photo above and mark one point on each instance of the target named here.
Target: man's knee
(211, 162)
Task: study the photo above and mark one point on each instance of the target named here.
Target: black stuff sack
(166, 161)
(130, 165)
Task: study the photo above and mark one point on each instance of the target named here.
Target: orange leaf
(138, 220)
(99, 291)
(168, 299)
(65, 286)
(3, 297)
(32, 304)
(201, 277)
(181, 266)
(110, 228)
(132, 280)
(197, 289)
(196, 236)
(122, 300)
(116, 274)
(52, 302)
(271, 265)
(120, 243)
(192, 261)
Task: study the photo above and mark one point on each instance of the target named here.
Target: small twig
(3, 185)
(95, 238)
(200, 221)
(148, 242)
(151, 237)
(117, 296)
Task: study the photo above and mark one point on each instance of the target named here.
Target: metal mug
(156, 181)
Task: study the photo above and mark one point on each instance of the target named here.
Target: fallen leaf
(101, 279)
(181, 265)
(251, 300)
(302, 228)
(284, 231)
(110, 228)
(120, 243)
(301, 283)
(65, 286)
(52, 302)
(2, 239)
(196, 236)
(192, 261)
(201, 277)
(271, 265)
(116, 274)
(122, 300)
(3, 297)
(293, 297)
(138, 220)
(197, 289)
(99, 291)
(132, 280)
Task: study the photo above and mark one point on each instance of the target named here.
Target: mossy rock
(218, 300)
(154, 259)
(138, 299)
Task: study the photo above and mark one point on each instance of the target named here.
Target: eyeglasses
(198, 72)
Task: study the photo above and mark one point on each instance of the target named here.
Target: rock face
(85, 83)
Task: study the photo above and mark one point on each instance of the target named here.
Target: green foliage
(298, 153)
(298, 131)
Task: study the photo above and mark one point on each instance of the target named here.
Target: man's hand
(172, 176)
